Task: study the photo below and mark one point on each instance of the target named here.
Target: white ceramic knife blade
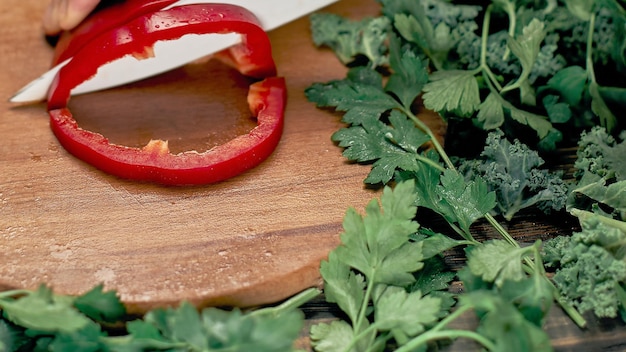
(174, 53)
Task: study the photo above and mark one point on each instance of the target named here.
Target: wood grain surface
(254, 239)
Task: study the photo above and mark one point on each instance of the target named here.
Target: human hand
(66, 14)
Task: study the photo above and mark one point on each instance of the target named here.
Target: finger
(76, 11)
(66, 14)
(51, 18)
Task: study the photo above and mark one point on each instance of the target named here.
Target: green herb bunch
(556, 68)
(41, 320)
(539, 74)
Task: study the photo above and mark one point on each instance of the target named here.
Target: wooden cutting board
(254, 239)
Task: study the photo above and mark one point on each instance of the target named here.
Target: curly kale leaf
(435, 26)
(600, 153)
(601, 174)
(590, 267)
(513, 171)
(349, 39)
(437, 11)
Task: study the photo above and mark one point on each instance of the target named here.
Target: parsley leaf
(408, 313)
(214, 329)
(533, 296)
(505, 325)
(570, 82)
(468, 201)
(377, 245)
(342, 285)
(452, 90)
(496, 261)
(100, 306)
(333, 337)
(360, 95)
(460, 202)
(526, 47)
(537, 122)
(42, 310)
(410, 73)
(374, 263)
(491, 112)
(390, 147)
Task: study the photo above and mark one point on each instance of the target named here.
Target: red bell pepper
(103, 20)
(154, 162)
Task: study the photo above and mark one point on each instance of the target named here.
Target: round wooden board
(254, 239)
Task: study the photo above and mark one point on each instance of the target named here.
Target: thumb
(66, 14)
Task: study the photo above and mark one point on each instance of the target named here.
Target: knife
(169, 55)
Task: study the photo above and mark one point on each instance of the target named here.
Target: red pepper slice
(154, 163)
(103, 20)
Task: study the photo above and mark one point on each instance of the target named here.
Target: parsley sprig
(41, 320)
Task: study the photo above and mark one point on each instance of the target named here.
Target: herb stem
(510, 11)
(452, 316)
(446, 334)
(371, 328)
(483, 50)
(430, 162)
(436, 332)
(501, 230)
(589, 54)
(290, 304)
(114, 342)
(13, 293)
(363, 309)
(433, 139)
(578, 319)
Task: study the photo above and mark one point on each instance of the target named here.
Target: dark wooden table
(255, 239)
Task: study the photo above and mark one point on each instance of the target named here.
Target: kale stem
(584, 214)
(446, 334)
(571, 312)
(539, 269)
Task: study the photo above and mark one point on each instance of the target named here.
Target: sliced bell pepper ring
(99, 22)
(154, 162)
